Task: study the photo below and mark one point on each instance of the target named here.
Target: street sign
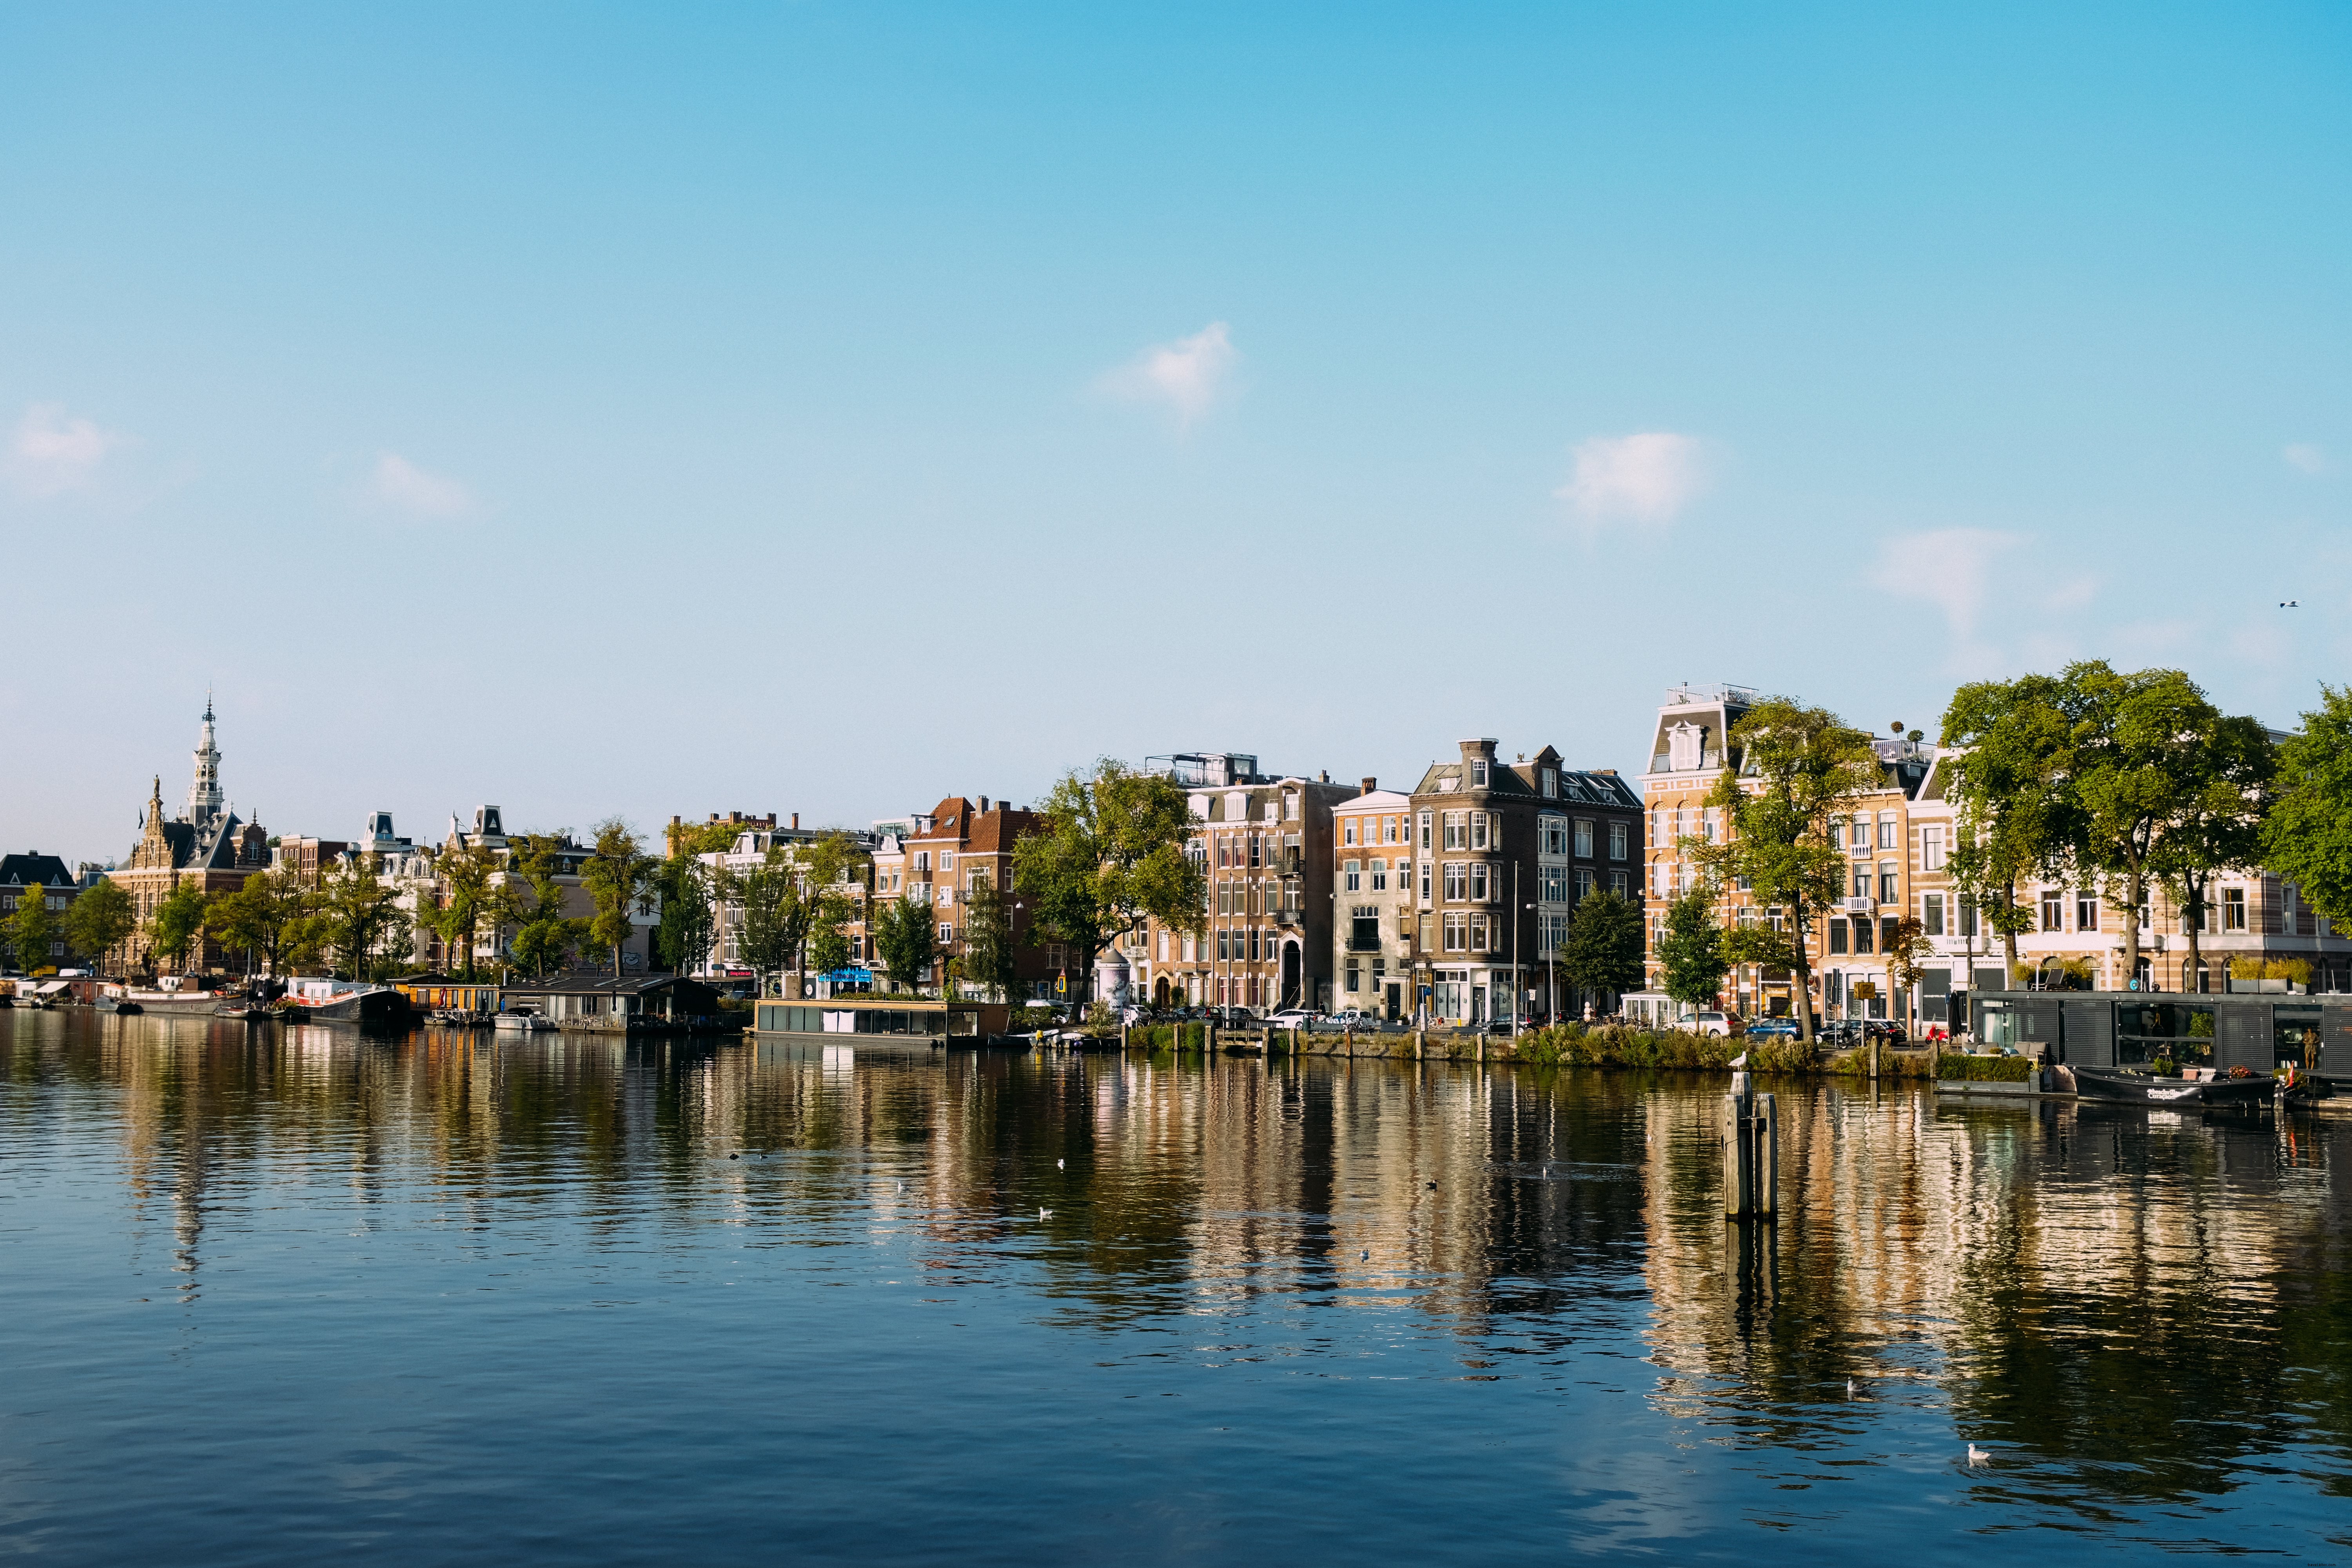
(1865, 989)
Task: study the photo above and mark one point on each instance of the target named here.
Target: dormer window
(1683, 747)
(1478, 773)
(1551, 784)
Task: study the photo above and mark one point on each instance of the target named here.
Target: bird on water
(1741, 1061)
(1978, 1455)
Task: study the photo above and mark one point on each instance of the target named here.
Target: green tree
(173, 928)
(1604, 950)
(903, 936)
(1694, 951)
(228, 920)
(688, 923)
(1797, 769)
(2306, 836)
(832, 870)
(2017, 817)
(2139, 759)
(258, 916)
(991, 947)
(465, 897)
(32, 929)
(2220, 823)
(1907, 950)
(100, 921)
(1109, 852)
(361, 915)
(772, 917)
(617, 874)
(545, 937)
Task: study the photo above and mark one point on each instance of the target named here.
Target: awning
(843, 976)
(49, 988)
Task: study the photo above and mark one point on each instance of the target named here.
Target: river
(278, 1295)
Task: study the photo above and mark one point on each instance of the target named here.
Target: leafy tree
(100, 921)
(467, 876)
(774, 917)
(2141, 759)
(2220, 823)
(828, 938)
(361, 913)
(2017, 814)
(173, 926)
(256, 917)
(689, 839)
(990, 948)
(1907, 950)
(1798, 768)
(1108, 853)
(32, 929)
(1693, 950)
(617, 875)
(2307, 835)
(1604, 950)
(832, 869)
(688, 923)
(544, 936)
(903, 936)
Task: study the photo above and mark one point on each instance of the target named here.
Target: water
(285, 1296)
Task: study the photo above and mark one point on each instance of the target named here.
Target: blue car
(1772, 1029)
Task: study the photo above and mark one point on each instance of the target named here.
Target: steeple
(204, 801)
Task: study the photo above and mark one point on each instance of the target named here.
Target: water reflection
(2129, 1310)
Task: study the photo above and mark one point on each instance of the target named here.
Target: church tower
(205, 794)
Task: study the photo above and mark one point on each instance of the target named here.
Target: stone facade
(207, 847)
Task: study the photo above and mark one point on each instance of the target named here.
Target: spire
(204, 801)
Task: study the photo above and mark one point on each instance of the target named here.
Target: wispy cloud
(1189, 375)
(1949, 567)
(2307, 456)
(403, 485)
(49, 453)
(1647, 477)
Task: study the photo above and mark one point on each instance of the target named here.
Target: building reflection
(2154, 1299)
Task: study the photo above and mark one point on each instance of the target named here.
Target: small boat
(2124, 1086)
(522, 1019)
(115, 1005)
(193, 1004)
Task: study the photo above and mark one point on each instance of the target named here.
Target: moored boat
(2123, 1086)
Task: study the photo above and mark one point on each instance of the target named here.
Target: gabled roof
(31, 870)
(1379, 800)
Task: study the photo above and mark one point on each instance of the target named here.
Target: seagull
(1978, 1455)
(1365, 1256)
(1849, 1388)
(1741, 1061)
(1432, 1187)
(1044, 1214)
(1061, 1164)
(2289, 604)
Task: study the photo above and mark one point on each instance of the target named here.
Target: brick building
(207, 847)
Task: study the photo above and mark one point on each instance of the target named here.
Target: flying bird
(2289, 604)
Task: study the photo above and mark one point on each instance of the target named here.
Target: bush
(1984, 1070)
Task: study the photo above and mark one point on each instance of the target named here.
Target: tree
(171, 929)
(544, 935)
(1109, 852)
(1604, 950)
(467, 894)
(1798, 768)
(2017, 814)
(2220, 823)
(682, 940)
(100, 921)
(1907, 951)
(2138, 761)
(228, 921)
(2307, 835)
(829, 869)
(32, 929)
(617, 874)
(773, 915)
(1693, 950)
(904, 937)
(361, 913)
(990, 948)
(260, 916)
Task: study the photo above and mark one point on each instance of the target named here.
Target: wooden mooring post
(1752, 1153)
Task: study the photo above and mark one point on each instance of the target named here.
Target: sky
(827, 408)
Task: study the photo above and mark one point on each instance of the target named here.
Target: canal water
(285, 1296)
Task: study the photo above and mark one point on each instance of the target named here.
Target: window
(1552, 833)
(1351, 972)
(1457, 881)
(1163, 947)
(1478, 773)
(1256, 841)
(1888, 891)
(1889, 833)
(1838, 936)
(1391, 829)
(2234, 909)
(1457, 832)
(1861, 936)
(1551, 784)
(1861, 881)
(1657, 829)
(1617, 844)
(1967, 917)
(1457, 933)
(1478, 882)
(1425, 830)
(947, 933)
(1584, 838)
(1931, 849)
(2053, 916)
(1859, 840)
(922, 862)
(1931, 914)
(1479, 822)
(1352, 873)
(2087, 911)
(1478, 933)
(1364, 927)
(1290, 806)
(1552, 885)
(1424, 882)
(947, 894)
(1380, 876)
(1584, 883)
(1348, 833)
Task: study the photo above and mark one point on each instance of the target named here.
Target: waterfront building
(1502, 852)
(1371, 929)
(207, 846)
(45, 877)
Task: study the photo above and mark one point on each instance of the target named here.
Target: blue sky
(825, 408)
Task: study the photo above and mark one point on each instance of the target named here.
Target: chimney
(983, 805)
(796, 820)
(1370, 783)
(1326, 776)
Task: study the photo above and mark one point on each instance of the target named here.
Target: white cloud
(1949, 567)
(50, 453)
(1188, 374)
(401, 484)
(2303, 454)
(1648, 477)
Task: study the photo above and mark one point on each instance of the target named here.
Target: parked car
(1772, 1029)
(1293, 1018)
(1722, 1025)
